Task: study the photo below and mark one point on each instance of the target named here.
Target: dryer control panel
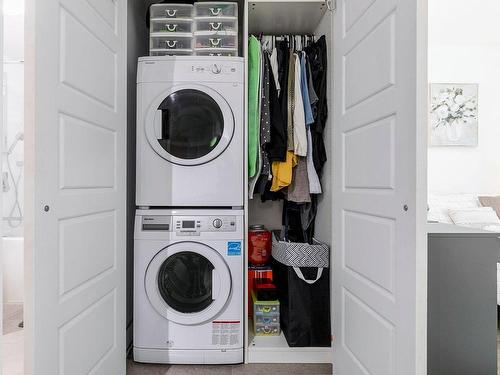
(189, 225)
(223, 69)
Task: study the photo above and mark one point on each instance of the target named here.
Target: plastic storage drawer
(216, 52)
(220, 25)
(266, 329)
(159, 11)
(171, 41)
(265, 307)
(216, 9)
(174, 25)
(216, 40)
(267, 319)
(171, 44)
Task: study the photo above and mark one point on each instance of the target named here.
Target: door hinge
(331, 5)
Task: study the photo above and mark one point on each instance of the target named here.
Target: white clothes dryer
(188, 286)
(190, 131)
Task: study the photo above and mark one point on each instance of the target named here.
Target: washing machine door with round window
(189, 125)
(188, 283)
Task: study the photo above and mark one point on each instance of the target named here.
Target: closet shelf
(275, 349)
(285, 17)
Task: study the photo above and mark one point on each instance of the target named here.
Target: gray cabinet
(462, 305)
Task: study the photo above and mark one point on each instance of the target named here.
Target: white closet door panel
(375, 188)
(107, 10)
(76, 160)
(2, 259)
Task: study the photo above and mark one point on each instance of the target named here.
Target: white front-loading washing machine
(188, 286)
(190, 131)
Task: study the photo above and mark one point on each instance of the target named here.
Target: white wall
(464, 47)
(13, 102)
(13, 123)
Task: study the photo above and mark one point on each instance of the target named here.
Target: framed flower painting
(453, 114)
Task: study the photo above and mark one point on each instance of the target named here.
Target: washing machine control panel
(193, 226)
(189, 225)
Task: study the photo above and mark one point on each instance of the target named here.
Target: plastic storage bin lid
(220, 52)
(166, 10)
(216, 18)
(215, 32)
(170, 35)
(267, 303)
(171, 52)
(216, 9)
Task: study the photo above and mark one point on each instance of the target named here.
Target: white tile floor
(13, 340)
(13, 358)
(13, 353)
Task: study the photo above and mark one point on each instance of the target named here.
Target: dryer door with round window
(188, 283)
(190, 125)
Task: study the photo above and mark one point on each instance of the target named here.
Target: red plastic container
(256, 272)
(259, 245)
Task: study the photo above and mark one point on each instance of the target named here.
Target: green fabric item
(253, 103)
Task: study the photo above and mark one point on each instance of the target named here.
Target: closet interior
(298, 22)
(312, 18)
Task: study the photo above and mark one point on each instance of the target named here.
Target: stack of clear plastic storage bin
(171, 29)
(266, 317)
(216, 29)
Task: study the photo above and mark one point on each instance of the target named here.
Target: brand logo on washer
(234, 248)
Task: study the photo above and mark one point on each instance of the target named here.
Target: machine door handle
(162, 128)
(215, 285)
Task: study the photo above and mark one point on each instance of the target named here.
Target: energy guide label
(225, 332)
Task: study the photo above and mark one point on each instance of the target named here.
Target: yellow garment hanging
(283, 171)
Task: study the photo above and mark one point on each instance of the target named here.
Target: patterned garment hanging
(265, 114)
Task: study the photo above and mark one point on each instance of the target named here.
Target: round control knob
(217, 223)
(216, 69)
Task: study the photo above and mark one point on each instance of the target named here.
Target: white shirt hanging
(275, 68)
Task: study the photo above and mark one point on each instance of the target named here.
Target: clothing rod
(283, 35)
(296, 41)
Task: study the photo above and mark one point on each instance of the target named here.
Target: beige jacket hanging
(299, 118)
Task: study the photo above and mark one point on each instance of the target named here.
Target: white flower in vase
(452, 110)
(460, 99)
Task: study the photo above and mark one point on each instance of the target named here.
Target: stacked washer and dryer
(189, 226)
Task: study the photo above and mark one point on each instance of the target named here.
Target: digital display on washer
(188, 224)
